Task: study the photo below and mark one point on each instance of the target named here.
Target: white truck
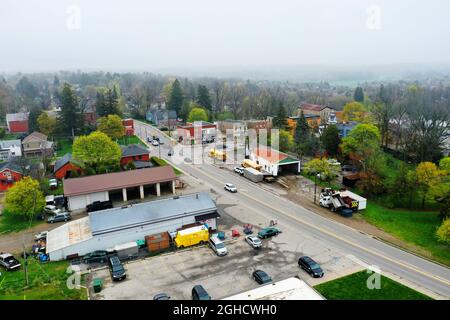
(338, 200)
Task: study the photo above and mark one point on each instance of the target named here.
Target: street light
(315, 186)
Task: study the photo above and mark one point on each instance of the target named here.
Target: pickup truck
(9, 262)
(99, 205)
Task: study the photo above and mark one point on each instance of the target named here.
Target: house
(134, 153)
(118, 185)
(196, 133)
(324, 112)
(259, 124)
(129, 126)
(237, 127)
(90, 113)
(17, 122)
(162, 118)
(345, 128)
(10, 149)
(105, 229)
(274, 162)
(10, 173)
(64, 166)
(36, 145)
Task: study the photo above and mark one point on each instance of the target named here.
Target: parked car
(239, 170)
(60, 217)
(8, 261)
(149, 139)
(155, 143)
(253, 241)
(268, 232)
(161, 296)
(99, 205)
(41, 236)
(53, 183)
(218, 247)
(199, 293)
(261, 277)
(230, 187)
(116, 268)
(310, 266)
(187, 160)
(51, 209)
(98, 256)
(170, 153)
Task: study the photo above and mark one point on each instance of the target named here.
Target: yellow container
(191, 236)
(251, 164)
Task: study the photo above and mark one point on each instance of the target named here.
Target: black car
(310, 266)
(99, 256)
(161, 296)
(9, 262)
(199, 293)
(116, 268)
(99, 205)
(261, 277)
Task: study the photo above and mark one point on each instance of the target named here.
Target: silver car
(254, 241)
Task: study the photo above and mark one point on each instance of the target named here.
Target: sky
(147, 35)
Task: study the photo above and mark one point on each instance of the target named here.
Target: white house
(10, 149)
(274, 162)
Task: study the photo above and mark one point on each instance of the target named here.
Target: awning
(208, 216)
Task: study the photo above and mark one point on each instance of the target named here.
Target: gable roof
(35, 135)
(11, 165)
(269, 154)
(5, 144)
(17, 117)
(61, 162)
(313, 107)
(133, 150)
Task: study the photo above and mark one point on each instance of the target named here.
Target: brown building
(36, 145)
(313, 109)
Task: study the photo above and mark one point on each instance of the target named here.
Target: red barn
(10, 173)
(134, 152)
(17, 122)
(64, 166)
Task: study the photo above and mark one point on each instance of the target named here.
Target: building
(17, 122)
(274, 162)
(129, 126)
(10, 173)
(115, 186)
(289, 289)
(324, 112)
(345, 128)
(90, 112)
(134, 153)
(238, 127)
(197, 132)
(105, 229)
(10, 149)
(259, 124)
(65, 165)
(162, 118)
(36, 145)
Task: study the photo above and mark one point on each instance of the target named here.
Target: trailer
(362, 202)
(338, 200)
(253, 175)
(126, 251)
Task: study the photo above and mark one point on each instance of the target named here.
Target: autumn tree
(355, 111)
(327, 171)
(112, 126)
(286, 141)
(443, 232)
(25, 198)
(47, 124)
(427, 177)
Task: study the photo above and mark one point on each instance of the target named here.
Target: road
(387, 258)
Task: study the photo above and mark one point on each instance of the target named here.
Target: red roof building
(10, 173)
(17, 122)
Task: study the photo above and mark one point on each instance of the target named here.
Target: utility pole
(315, 188)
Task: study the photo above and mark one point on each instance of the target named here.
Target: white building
(108, 228)
(10, 149)
(274, 162)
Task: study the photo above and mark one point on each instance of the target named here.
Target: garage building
(108, 228)
(117, 186)
(274, 162)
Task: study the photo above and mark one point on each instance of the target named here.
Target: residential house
(65, 165)
(137, 154)
(197, 132)
(324, 112)
(274, 162)
(259, 124)
(162, 118)
(345, 128)
(129, 126)
(17, 122)
(89, 111)
(10, 149)
(10, 173)
(36, 145)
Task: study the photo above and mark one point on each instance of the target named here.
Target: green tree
(112, 126)
(280, 120)
(197, 114)
(2, 133)
(286, 141)
(47, 125)
(356, 111)
(358, 96)
(203, 97)
(25, 198)
(302, 129)
(95, 150)
(331, 140)
(443, 232)
(70, 120)
(225, 115)
(427, 176)
(444, 165)
(33, 119)
(327, 171)
(176, 97)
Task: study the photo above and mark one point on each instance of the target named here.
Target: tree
(280, 120)
(327, 171)
(444, 165)
(443, 232)
(70, 119)
(112, 126)
(25, 198)
(95, 150)
(33, 119)
(358, 96)
(286, 141)
(203, 98)
(302, 128)
(427, 177)
(176, 97)
(47, 125)
(197, 114)
(225, 115)
(2, 133)
(331, 140)
(355, 111)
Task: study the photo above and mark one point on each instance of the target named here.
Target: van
(116, 268)
(218, 246)
(192, 236)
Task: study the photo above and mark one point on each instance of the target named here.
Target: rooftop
(69, 234)
(150, 212)
(17, 117)
(117, 180)
(313, 107)
(271, 155)
(133, 150)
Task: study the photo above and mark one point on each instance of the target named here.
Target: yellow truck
(251, 164)
(214, 153)
(192, 236)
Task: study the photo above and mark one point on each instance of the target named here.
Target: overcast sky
(48, 35)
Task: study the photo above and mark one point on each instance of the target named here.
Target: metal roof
(116, 219)
(68, 234)
(62, 161)
(133, 150)
(17, 117)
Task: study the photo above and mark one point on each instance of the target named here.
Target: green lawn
(354, 287)
(161, 162)
(47, 281)
(126, 140)
(415, 227)
(10, 223)
(64, 146)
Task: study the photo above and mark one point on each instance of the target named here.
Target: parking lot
(177, 272)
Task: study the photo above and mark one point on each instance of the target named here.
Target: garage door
(77, 202)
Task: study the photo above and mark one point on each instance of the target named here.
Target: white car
(254, 241)
(41, 236)
(51, 209)
(53, 183)
(239, 170)
(230, 187)
(155, 143)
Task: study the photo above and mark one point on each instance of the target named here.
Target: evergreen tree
(302, 129)
(330, 140)
(203, 98)
(100, 104)
(70, 120)
(280, 121)
(32, 119)
(359, 95)
(176, 97)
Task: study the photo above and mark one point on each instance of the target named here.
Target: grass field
(354, 287)
(64, 146)
(47, 281)
(161, 162)
(415, 227)
(126, 140)
(10, 223)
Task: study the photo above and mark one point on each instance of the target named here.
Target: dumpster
(140, 243)
(221, 235)
(97, 285)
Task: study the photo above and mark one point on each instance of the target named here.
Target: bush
(164, 129)
(102, 170)
(158, 162)
(443, 232)
(2, 133)
(89, 171)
